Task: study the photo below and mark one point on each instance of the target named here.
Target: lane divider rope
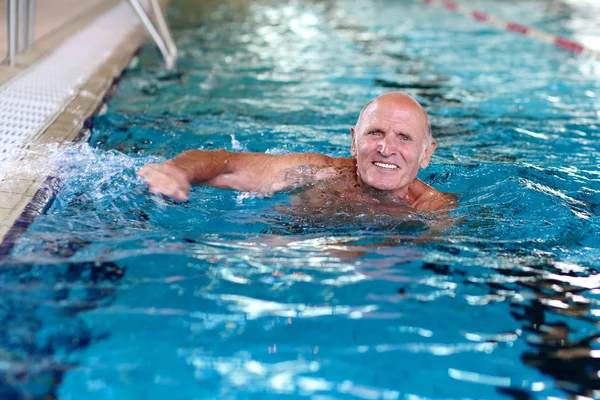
(481, 16)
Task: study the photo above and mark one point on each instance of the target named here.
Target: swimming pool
(114, 293)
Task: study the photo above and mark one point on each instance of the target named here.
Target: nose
(386, 146)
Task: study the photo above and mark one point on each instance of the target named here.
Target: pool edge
(33, 192)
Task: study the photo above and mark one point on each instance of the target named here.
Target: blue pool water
(114, 293)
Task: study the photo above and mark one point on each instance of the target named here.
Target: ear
(428, 152)
(353, 148)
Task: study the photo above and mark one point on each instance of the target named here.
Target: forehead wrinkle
(372, 105)
(379, 126)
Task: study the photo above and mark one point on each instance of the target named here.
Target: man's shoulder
(428, 198)
(312, 159)
(342, 162)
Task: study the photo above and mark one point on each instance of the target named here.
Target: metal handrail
(30, 22)
(161, 35)
(164, 28)
(19, 18)
(20, 29)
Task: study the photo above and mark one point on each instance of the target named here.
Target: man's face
(388, 144)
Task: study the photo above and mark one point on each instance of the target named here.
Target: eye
(404, 138)
(374, 133)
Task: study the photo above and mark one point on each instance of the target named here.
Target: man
(391, 141)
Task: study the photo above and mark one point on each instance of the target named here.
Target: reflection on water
(562, 327)
(113, 290)
(40, 317)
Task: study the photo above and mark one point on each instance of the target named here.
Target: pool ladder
(20, 23)
(158, 30)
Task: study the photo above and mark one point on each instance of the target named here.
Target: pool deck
(22, 190)
(51, 16)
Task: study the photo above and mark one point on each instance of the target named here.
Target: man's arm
(249, 172)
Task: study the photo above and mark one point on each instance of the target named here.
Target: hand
(167, 179)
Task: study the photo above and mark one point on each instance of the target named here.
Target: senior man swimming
(391, 141)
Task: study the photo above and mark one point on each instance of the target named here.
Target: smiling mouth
(384, 165)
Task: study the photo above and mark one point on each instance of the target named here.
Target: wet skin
(390, 143)
(339, 189)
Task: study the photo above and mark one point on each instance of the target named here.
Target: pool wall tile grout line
(37, 205)
(74, 100)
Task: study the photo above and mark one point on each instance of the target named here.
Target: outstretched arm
(250, 172)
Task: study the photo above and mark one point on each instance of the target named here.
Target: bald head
(391, 142)
(402, 101)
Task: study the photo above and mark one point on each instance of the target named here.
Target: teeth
(386, 166)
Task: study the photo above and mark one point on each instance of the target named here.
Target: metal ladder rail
(161, 34)
(19, 18)
(20, 25)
